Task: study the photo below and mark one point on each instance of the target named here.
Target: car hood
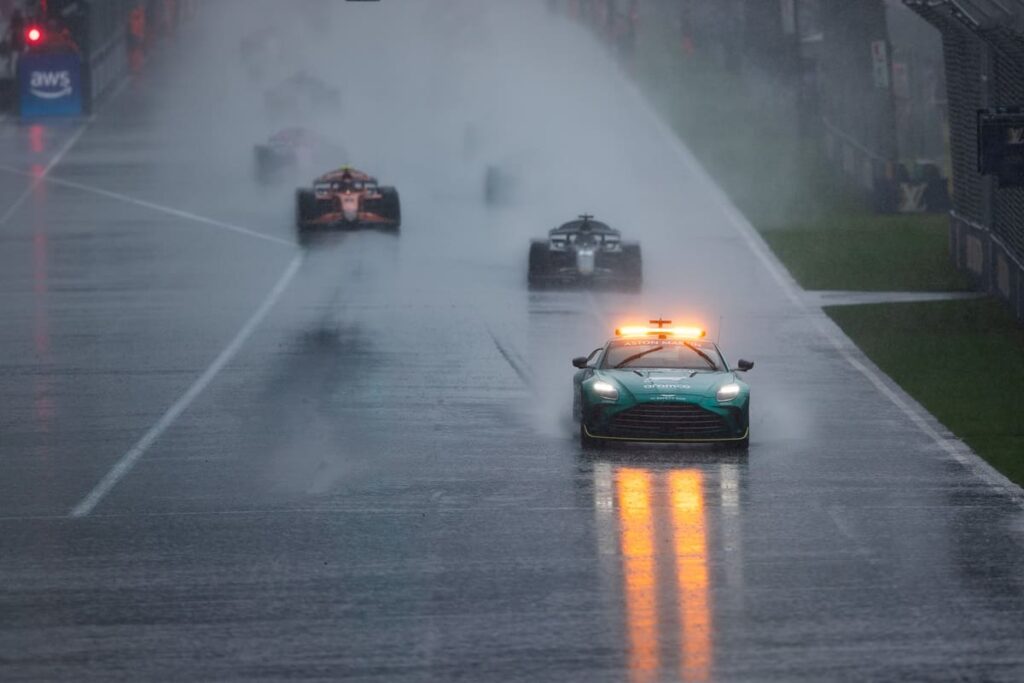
(648, 382)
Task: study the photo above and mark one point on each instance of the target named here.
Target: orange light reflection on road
(639, 572)
(686, 489)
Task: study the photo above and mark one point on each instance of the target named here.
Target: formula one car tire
(391, 207)
(632, 267)
(268, 164)
(538, 264)
(305, 211)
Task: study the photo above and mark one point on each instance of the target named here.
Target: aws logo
(50, 85)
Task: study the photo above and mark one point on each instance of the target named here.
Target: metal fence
(984, 56)
(893, 102)
(112, 35)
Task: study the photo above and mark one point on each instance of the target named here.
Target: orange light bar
(681, 332)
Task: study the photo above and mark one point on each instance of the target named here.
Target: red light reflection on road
(36, 141)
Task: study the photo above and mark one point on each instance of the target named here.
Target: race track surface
(224, 457)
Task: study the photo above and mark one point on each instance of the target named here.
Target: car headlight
(605, 390)
(728, 392)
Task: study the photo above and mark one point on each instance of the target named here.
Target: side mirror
(744, 365)
(580, 362)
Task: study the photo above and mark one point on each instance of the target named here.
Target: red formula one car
(347, 199)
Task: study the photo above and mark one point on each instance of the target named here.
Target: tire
(305, 211)
(390, 206)
(264, 165)
(587, 442)
(538, 265)
(632, 268)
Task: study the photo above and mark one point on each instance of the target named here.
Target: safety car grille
(667, 421)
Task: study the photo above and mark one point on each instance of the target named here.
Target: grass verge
(962, 360)
(870, 253)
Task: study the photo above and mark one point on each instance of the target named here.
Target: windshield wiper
(706, 357)
(636, 356)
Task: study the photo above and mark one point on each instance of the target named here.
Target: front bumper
(668, 421)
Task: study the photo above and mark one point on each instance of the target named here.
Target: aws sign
(50, 85)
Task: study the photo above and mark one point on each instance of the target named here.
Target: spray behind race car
(346, 199)
(585, 252)
(294, 150)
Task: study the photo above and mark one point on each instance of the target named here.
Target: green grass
(870, 253)
(962, 360)
(747, 140)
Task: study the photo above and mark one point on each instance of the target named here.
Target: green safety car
(661, 384)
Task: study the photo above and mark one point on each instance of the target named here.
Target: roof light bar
(662, 332)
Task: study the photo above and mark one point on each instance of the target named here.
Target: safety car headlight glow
(728, 392)
(605, 390)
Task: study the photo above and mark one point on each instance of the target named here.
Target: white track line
(37, 179)
(127, 461)
(916, 413)
(160, 208)
(57, 158)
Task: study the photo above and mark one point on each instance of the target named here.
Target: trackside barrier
(106, 41)
(50, 84)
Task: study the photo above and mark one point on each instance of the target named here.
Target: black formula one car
(585, 252)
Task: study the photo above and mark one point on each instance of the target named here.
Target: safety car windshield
(662, 353)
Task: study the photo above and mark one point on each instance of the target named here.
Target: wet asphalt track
(378, 479)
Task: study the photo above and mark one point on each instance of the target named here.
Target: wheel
(632, 267)
(588, 442)
(305, 211)
(264, 165)
(390, 207)
(538, 266)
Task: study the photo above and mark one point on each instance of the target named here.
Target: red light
(33, 34)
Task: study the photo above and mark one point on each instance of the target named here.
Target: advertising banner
(50, 84)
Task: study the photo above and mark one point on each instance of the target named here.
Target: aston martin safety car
(292, 150)
(347, 199)
(661, 384)
(585, 252)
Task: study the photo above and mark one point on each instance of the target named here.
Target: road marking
(127, 461)
(61, 153)
(159, 208)
(57, 158)
(513, 360)
(38, 178)
(954, 447)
